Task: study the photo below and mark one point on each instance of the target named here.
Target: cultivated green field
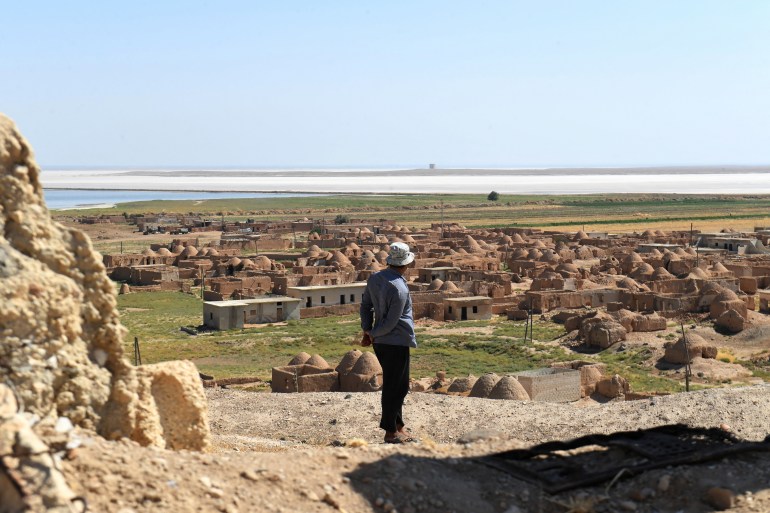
(614, 212)
(459, 348)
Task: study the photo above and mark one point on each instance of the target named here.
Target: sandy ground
(727, 180)
(276, 452)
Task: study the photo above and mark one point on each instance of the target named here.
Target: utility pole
(690, 234)
(687, 368)
(442, 218)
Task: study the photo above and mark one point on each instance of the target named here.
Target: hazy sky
(362, 83)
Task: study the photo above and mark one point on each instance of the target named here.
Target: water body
(232, 182)
(80, 198)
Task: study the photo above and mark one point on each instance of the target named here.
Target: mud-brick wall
(433, 311)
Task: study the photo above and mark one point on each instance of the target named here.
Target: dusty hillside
(275, 452)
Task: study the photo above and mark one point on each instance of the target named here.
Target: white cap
(399, 255)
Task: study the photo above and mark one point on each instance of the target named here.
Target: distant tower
(432, 166)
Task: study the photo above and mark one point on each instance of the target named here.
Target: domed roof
(317, 361)
(484, 385)
(164, 252)
(263, 262)
(726, 295)
(699, 273)
(519, 253)
(339, 258)
(568, 267)
(580, 235)
(550, 255)
(509, 388)
(645, 268)
(189, 251)
(299, 358)
(633, 257)
(534, 254)
(661, 274)
(367, 364)
(448, 286)
(629, 284)
(348, 361)
(149, 252)
(177, 249)
(435, 284)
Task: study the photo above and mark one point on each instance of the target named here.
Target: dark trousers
(394, 361)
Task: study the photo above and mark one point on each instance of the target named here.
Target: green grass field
(459, 348)
(610, 211)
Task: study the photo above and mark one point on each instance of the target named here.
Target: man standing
(388, 323)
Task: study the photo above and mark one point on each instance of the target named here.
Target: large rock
(602, 332)
(61, 337)
(28, 464)
(731, 321)
(613, 387)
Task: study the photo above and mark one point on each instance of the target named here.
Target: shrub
(493, 196)
(341, 219)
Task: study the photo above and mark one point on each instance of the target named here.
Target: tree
(341, 219)
(493, 196)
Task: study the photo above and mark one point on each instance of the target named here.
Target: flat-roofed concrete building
(468, 308)
(328, 295)
(237, 313)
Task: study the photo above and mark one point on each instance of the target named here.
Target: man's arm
(395, 303)
(366, 311)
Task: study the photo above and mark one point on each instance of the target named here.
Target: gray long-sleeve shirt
(386, 310)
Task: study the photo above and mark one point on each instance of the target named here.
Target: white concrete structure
(468, 308)
(328, 295)
(236, 313)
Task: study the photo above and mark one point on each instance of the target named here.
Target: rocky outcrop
(602, 332)
(613, 387)
(61, 336)
(731, 321)
(28, 465)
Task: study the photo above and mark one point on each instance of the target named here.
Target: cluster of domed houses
(465, 274)
(602, 287)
